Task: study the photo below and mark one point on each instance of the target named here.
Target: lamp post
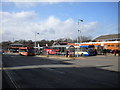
(79, 30)
(78, 33)
(35, 37)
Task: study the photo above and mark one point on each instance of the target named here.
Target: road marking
(50, 69)
(37, 66)
(12, 80)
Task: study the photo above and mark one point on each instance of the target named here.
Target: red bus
(49, 50)
(14, 48)
(26, 51)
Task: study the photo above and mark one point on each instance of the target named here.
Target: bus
(26, 51)
(48, 50)
(86, 50)
(14, 48)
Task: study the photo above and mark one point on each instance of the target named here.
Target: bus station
(59, 44)
(105, 43)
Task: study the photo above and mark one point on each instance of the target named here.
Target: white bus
(87, 50)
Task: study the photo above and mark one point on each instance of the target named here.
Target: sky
(54, 20)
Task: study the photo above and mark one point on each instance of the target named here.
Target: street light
(35, 37)
(78, 33)
(79, 30)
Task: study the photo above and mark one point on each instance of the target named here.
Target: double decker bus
(26, 51)
(14, 48)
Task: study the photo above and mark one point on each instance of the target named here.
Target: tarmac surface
(43, 71)
(109, 60)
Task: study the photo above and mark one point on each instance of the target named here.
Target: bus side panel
(80, 53)
(23, 53)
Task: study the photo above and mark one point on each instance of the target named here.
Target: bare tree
(83, 39)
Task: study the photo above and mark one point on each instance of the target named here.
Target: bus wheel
(82, 54)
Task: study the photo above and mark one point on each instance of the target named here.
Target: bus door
(26, 51)
(23, 51)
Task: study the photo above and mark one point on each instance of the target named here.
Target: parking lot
(109, 62)
(59, 72)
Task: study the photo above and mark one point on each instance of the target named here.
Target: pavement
(108, 62)
(74, 58)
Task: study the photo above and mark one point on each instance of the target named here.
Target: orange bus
(26, 51)
(14, 48)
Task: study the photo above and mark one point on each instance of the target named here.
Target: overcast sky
(54, 20)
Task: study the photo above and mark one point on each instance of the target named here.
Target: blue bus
(87, 50)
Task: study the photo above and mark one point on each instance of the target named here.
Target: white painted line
(36, 66)
(50, 69)
(12, 80)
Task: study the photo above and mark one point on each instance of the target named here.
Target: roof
(16, 44)
(74, 44)
(60, 45)
(25, 47)
(110, 36)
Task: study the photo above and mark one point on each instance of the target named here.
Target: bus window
(30, 50)
(117, 45)
(112, 45)
(90, 50)
(23, 50)
(108, 45)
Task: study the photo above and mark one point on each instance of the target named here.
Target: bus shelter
(60, 49)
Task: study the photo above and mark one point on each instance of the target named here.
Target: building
(110, 37)
(110, 42)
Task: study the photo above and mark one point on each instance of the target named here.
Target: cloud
(16, 24)
(32, 3)
(54, 28)
(23, 25)
(25, 4)
(8, 17)
(89, 27)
